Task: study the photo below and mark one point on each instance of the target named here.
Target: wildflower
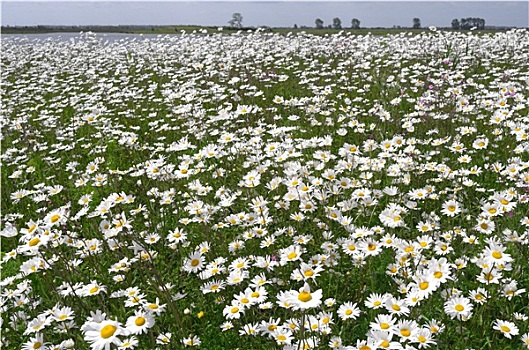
(348, 311)
(525, 340)
(508, 329)
(140, 322)
(406, 329)
(397, 307)
(192, 341)
(93, 288)
(451, 208)
(458, 307)
(194, 263)
(36, 342)
(375, 301)
(383, 322)
(101, 335)
(423, 338)
(63, 314)
(304, 299)
(129, 343)
(233, 311)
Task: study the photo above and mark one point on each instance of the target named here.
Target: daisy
(140, 322)
(383, 339)
(290, 254)
(282, 336)
(495, 254)
(55, 217)
(406, 329)
(397, 307)
(63, 314)
(163, 338)
(192, 341)
(233, 311)
(129, 343)
(93, 288)
(525, 340)
(36, 342)
(348, 311)
(423, 338)
(383, 323)
(304, 299)
(376, 301)
(451, 208)
(101, 335)
(507, 328)
(194, 263)
(458, 307)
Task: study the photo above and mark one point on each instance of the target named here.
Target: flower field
(266, 191)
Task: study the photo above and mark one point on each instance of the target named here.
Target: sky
(261, 12)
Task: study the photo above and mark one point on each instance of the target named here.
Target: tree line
(464, 23)
(468, 23)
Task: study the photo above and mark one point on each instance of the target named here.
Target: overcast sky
(258, 13)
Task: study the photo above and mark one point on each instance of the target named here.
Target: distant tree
(236, 20)
(319, 23)
(455, 24)
(416, 23)
(295, 26)
(481, 23)
(355, 23)
(336, 23)
(471, 22)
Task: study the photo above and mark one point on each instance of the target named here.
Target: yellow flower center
(421, 338)
(37, 345)
(55, 218)
(234, 310)
(371, 246)
(395, 307)
(384, 325)
(451, 208)
(438, 274)
(292, 255)
(496, 255)
(505, 329)
(245, 300)
(405, 332)
(272, 327)
(304, 297)
(255, 294)
(309, 273)
(108, 331)
(348, 312)
(459, 307)
(195, 262)
(384, 344)
(34, 242)
(140, 321)
(423, 285)
(153, 306)
(94, 289)
(377, 303)
(281, 337)
(63, 317)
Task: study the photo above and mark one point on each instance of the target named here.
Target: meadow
(266, 191)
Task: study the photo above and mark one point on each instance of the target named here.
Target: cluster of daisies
(301, 192)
